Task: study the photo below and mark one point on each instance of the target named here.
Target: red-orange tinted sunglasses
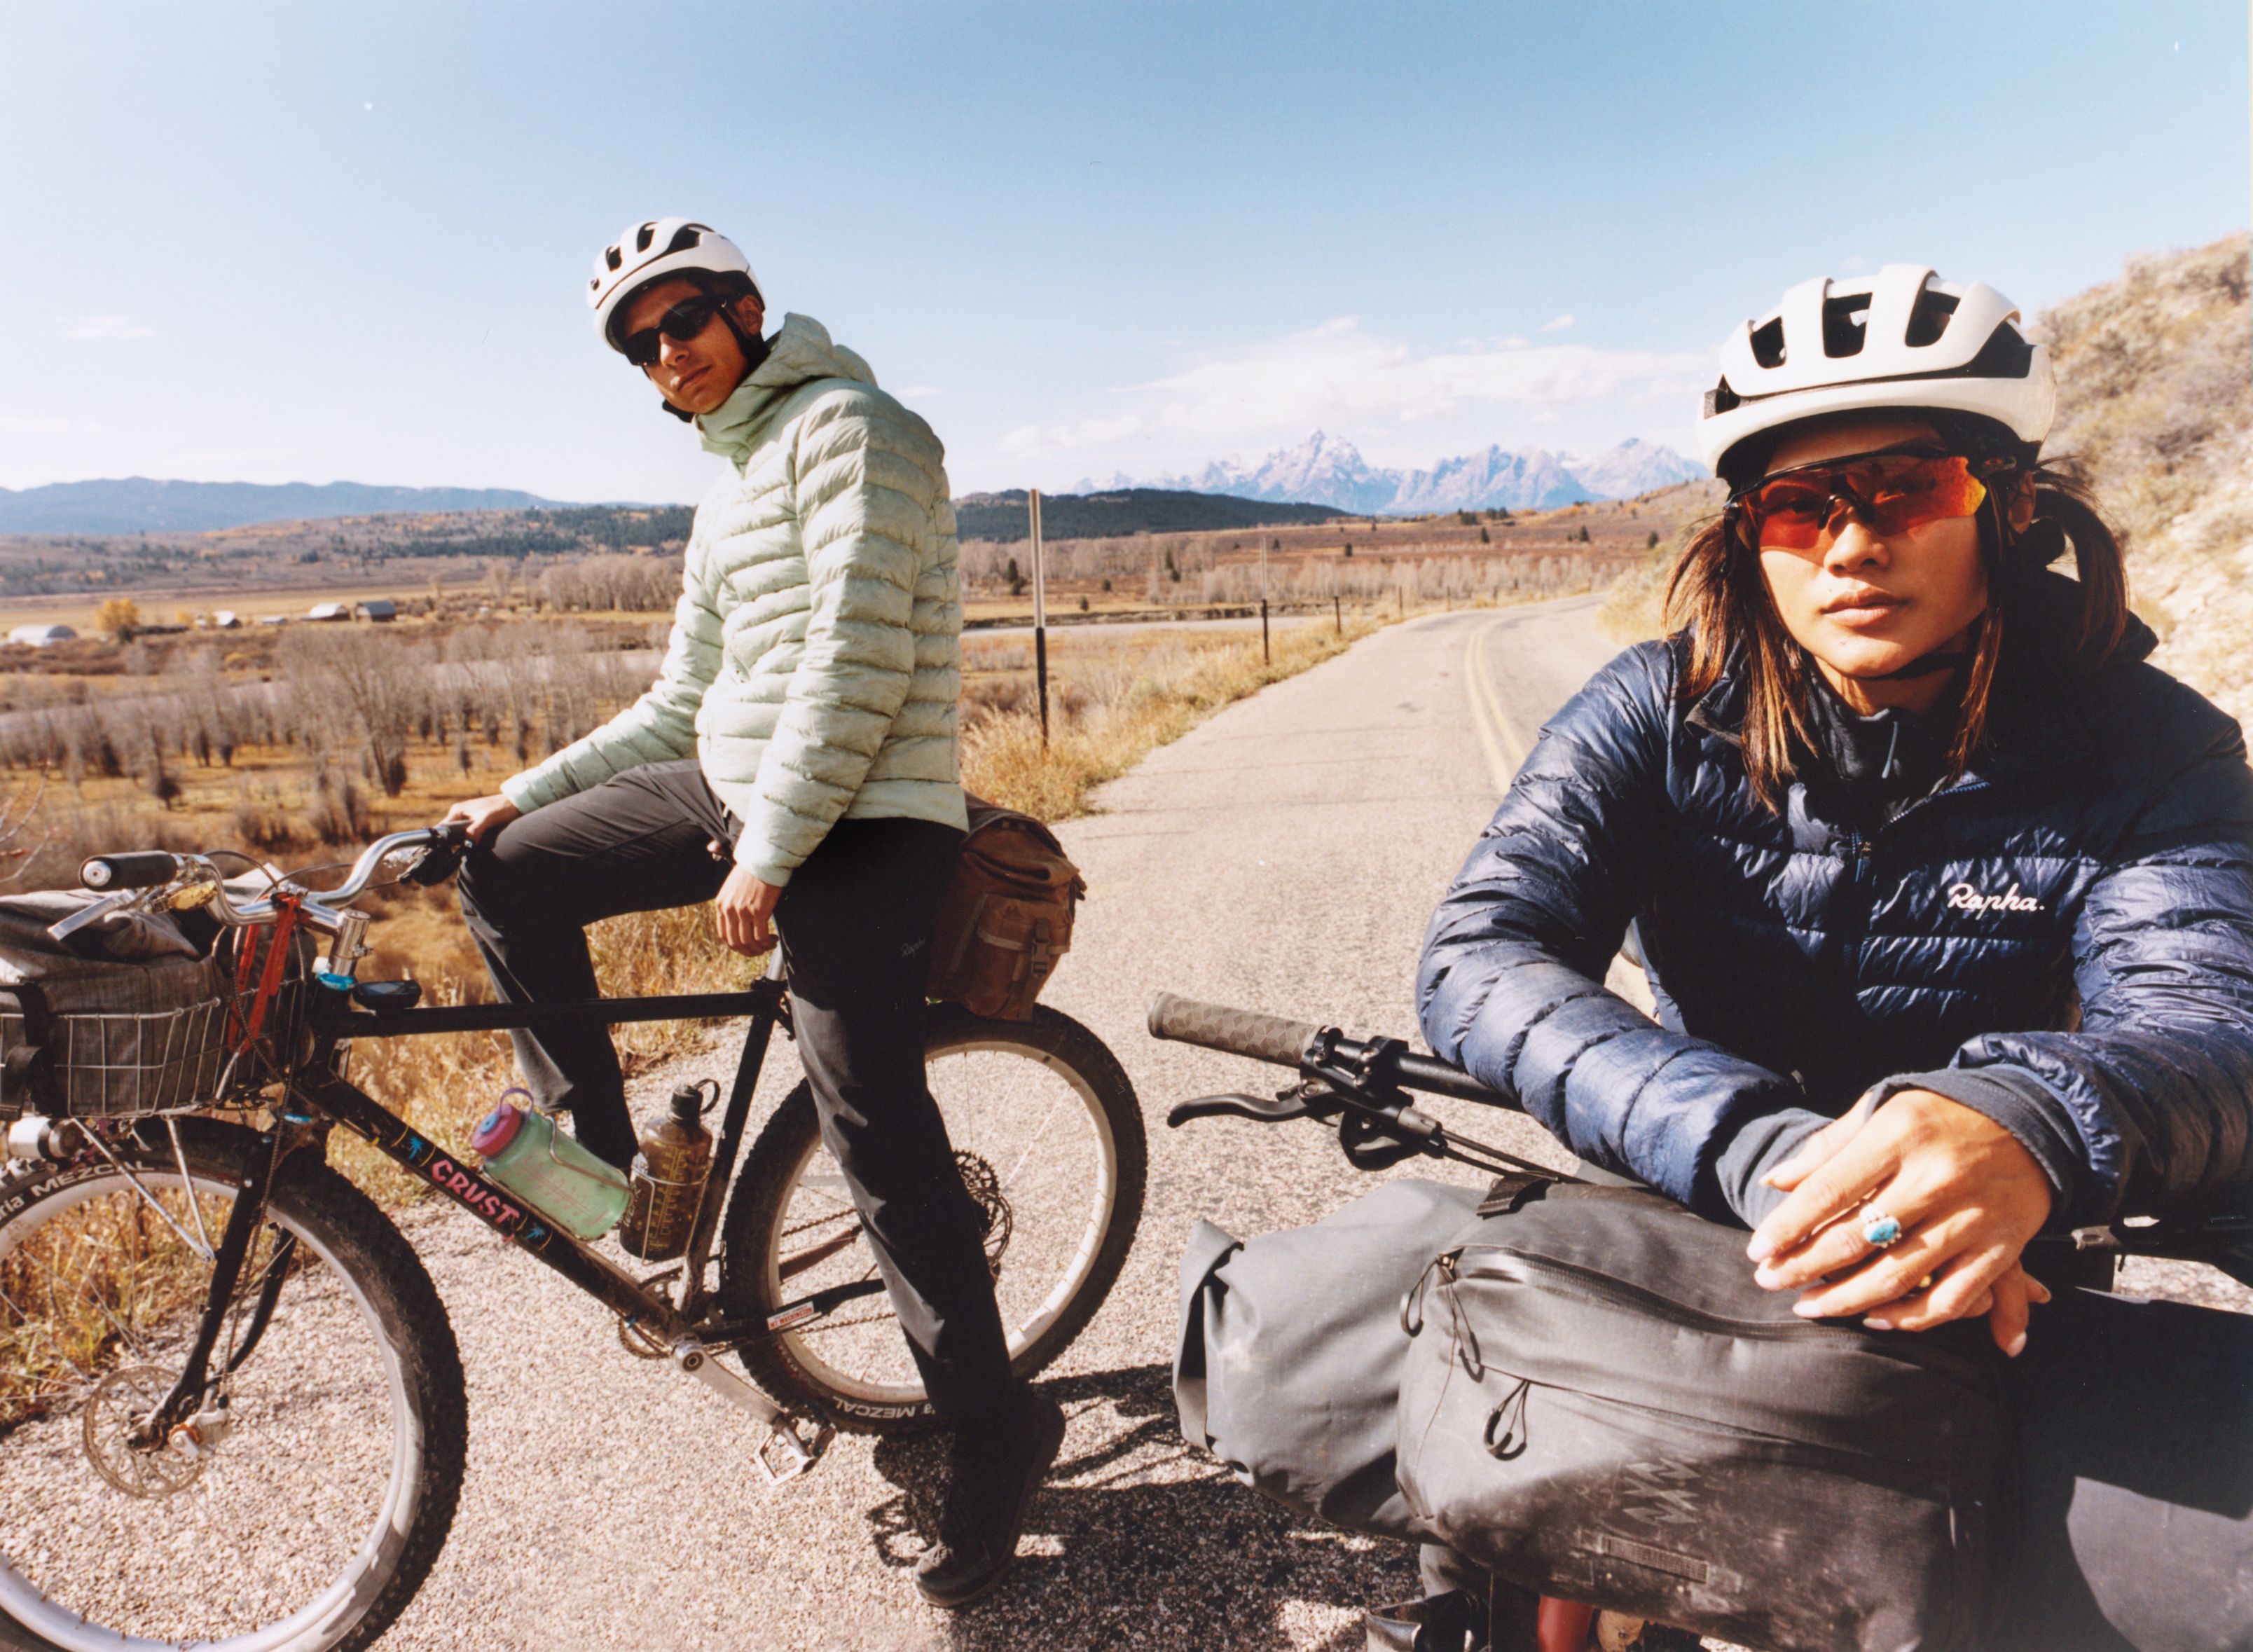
(1887, 492)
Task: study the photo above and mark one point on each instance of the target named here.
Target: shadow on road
(1147, 1542)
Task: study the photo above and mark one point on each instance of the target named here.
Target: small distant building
(226, 619)
(273, 619)
(329, 611)
(41, 636)
(381, 610)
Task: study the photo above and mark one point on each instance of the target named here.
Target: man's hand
(1967, 1195)
(484, 815)
(744, 909)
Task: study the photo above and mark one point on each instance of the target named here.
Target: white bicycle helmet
(1901, 339)
(651, 250)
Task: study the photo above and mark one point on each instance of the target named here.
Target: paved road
(1284, 855)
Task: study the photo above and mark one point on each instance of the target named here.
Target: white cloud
(1340, 377)
(1558, 324)
(107, 327)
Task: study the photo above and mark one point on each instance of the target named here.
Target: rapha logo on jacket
(1964, 898)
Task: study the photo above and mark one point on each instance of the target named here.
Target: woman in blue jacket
(1945, 895)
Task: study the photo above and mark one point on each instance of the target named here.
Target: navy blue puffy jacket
(2071, 923)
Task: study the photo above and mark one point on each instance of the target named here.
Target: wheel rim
(307, 1410)
(1038, 1125)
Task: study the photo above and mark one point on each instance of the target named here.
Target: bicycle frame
(683, 1330)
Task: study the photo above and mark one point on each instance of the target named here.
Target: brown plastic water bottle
(668, 1178)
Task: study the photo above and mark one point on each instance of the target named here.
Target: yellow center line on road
(1504, 750)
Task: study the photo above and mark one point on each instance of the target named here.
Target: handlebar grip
(142, 870)
(1239, 1032)
(449, 841)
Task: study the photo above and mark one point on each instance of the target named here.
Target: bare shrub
(373, 683)
(337, 814)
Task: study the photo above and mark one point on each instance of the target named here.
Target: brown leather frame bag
(1005, 920)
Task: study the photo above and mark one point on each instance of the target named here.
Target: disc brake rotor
(994, 1220)
(118, 1404)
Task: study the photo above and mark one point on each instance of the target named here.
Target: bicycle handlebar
(1272, 1038)
(127, 874)
(142, 870)
(1238, 1032)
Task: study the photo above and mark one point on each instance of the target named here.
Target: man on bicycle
(795, 763)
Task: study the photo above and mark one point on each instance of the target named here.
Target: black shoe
(994, 1472)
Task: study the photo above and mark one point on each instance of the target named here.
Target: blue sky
(312, 242)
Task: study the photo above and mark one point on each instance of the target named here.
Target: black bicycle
(232, 1409)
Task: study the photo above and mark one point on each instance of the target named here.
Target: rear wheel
(1049, 1139)
(310, 1503)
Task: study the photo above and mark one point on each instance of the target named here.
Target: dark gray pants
(856, 921)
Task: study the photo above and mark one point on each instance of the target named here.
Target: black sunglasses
(680, 323)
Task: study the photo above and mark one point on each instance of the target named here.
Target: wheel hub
(120, 1408)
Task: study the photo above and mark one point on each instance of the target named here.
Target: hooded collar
(801, 352)
(2035, 718)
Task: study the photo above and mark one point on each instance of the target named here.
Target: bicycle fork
(176, 1419)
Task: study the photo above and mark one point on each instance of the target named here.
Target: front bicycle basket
(111, 1039)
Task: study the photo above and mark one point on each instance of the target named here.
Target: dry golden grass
(1115, 695)
(1114, 698)
(1121, 701)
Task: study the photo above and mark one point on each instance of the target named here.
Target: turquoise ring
(1879, 1229)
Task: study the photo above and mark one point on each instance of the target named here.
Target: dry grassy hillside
(2155, 390)
(2155, 384)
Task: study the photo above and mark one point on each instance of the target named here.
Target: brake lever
(116, 902)
(1265, 1110)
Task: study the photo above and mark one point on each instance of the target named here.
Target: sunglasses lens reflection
(1888, 496)
(680, 323)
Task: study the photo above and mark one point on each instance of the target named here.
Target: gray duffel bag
(1288, 1367)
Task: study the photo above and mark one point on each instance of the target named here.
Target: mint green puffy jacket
(816, 653)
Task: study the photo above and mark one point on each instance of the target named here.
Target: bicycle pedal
(784, 1456)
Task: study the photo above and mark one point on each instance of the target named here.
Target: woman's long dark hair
(1718, 601)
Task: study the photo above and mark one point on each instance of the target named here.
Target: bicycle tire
(386, 1290)
(788, 1366)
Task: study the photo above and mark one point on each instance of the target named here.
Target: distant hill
(136, 505)
(1109, 515)
(1327, 471)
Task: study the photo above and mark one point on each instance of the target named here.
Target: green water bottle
(525, 1152)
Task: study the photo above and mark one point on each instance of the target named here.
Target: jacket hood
(802, 352)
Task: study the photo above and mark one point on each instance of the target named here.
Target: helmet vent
(1845, 324)
(1767, 344)
(642, 236)
(687, 236)
(613, 257)
(1929, 319)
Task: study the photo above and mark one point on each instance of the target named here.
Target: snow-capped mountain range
(1324, 470)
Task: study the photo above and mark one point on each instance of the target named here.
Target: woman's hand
(484, 815)
(744, 909)
(1967, 1195)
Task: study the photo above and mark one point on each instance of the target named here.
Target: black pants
(855, 921)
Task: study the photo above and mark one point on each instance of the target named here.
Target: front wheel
(1047, 1136)
(305, 1503)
